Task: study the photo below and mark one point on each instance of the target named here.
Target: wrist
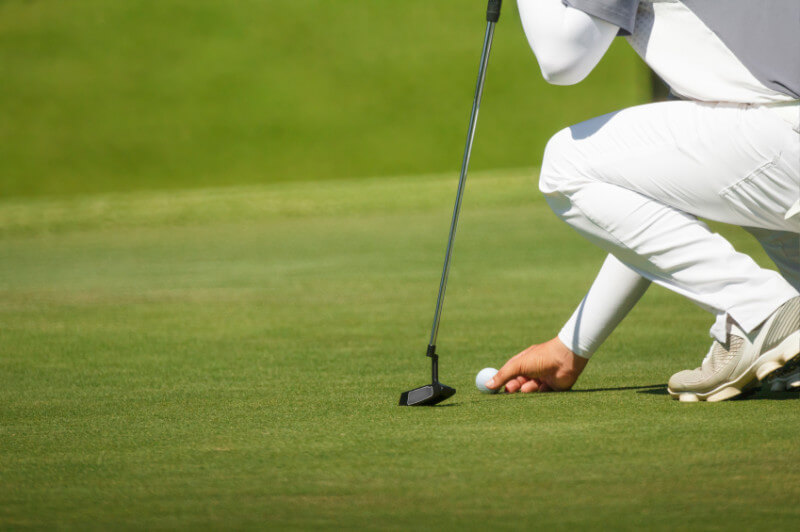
(571, 363)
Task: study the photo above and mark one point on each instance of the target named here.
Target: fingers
(535, 385)
(514, 385)
(531, 386)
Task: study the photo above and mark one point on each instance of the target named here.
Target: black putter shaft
(437, 392)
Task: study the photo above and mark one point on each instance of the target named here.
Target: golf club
(437, 392)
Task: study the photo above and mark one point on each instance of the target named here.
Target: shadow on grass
(440, 405)
(654, 389)
(657, 389)
(751, 395)
(762, 394)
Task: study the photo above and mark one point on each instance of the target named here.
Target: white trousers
(634, 182)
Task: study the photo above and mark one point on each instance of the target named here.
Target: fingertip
(496, 382)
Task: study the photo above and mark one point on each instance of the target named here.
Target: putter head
(428, 395)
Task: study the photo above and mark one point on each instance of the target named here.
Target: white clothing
(684, 48)
(615, 291)
(692, 59)
(736, 51)
(633, 182)
(670, 36)
(567, 42)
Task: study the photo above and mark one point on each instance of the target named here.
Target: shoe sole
(786, 379)
(786, 353)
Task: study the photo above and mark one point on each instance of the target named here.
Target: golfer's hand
(550, 366)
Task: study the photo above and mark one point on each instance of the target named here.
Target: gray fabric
(621, 13)
(763, 34)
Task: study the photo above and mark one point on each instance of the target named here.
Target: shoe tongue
(718, 356)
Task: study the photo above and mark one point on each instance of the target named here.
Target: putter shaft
(473, 120)
(436, 392)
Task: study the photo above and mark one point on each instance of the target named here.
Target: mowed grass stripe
(237, 362)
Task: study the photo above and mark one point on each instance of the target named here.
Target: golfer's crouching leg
(563, 172)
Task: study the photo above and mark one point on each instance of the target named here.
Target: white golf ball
(483, 377)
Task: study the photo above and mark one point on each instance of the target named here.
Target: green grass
(100, 96)
(232, 358)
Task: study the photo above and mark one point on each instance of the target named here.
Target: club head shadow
(428, 395)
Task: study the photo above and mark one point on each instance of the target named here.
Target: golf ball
(483, 377)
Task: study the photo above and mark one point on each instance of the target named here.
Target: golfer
(634, 182)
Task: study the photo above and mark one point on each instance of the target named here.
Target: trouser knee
(561, 168)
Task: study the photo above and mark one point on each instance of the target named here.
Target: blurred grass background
(99, 96)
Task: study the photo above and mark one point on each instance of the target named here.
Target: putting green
(233, 358)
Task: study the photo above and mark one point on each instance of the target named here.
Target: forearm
(613, 294)
(567, 42)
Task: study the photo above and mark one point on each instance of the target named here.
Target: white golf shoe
(728, 370)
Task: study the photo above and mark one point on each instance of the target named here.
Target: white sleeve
(568, 42)
(613, 294)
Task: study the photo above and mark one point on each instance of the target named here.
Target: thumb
(509, 370)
